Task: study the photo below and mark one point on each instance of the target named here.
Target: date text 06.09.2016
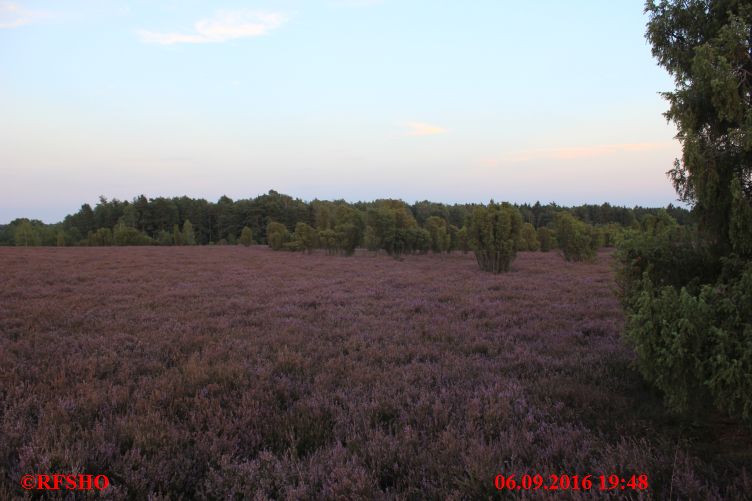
(614, 482)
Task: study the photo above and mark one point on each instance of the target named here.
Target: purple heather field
(234, 373)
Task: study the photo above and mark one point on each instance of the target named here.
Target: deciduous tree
(189, 236)
(277, 235)
(246, 236)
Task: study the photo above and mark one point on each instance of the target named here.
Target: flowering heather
(233, 372)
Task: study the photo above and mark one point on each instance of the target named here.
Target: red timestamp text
(536, 482)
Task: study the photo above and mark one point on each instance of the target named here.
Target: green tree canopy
(189, 236)
(437, 228)
(528, 239)
(277, 235)
(492, 234)
(707, 47)
(26, 235)
(578, 241)
(246, 236)
(307, 237)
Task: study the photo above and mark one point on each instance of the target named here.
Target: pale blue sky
(441, 100)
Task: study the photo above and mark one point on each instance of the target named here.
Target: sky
(357, 99)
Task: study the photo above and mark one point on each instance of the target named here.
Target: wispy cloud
(224, 26)
(13, 15)
(423, 129)
(576, 153)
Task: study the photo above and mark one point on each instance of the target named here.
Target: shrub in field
(546, 238)
(350, 226)
(177, 235)
(348, 238)
(164, 238)
(437, 228)
(577, 240)
(72, 236)
(688, 322)
(188, 234)
(392, 227)
(688, 292)
(463, 243)
(697, 346)
(126, 235)
(668, 254)
(101, 237)
(409, 240)
(24, 232)
(25, 235)
(381, 228)
(597, 236)
(611, 234)
(246, 236)
(328, 240)
(306, 236)
(528, 239)
(293, 246)
(277, 235)
(453, 238)
(371, 240)
(492, 234)
(416, 240)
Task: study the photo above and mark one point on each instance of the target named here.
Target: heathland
(231, 371)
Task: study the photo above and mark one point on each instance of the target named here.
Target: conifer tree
(492, 235)
(707, 48)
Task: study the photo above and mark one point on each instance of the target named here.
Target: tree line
(283, 222)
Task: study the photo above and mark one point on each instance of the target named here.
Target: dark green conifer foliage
(707, 48)
(578, 241)
(492, 235)
(688, 295)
